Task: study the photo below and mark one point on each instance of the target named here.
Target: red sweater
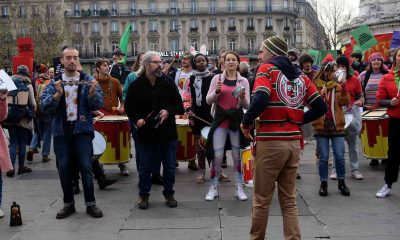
(387, 89)
(353, 86)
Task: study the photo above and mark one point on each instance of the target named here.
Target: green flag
(364, 37)
(123, 42)
(323, 53)
(314, 54)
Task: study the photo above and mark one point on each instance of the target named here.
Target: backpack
(17, 99)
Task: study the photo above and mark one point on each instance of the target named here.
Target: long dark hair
(136, 65)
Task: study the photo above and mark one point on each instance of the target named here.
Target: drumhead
(182, 121)
(375, 114)
(348, 118)
(204, 132)
(113, 118)
(99, 143)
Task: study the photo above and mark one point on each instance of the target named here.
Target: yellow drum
(247, 160)
(374, 134)
(186, 150)
(115, 130)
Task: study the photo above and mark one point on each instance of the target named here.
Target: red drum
(247, 160)
(374, 134)
(186, 150)
(115, 130)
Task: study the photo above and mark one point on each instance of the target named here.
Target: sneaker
(223, 178)
(192, 165)
(30, 153)
(374, 162)
(45, 158)
(94, 211)
(65, 212)
(170, 201)
(10, 173)
(1, 213)
(240, 193)
(385, 191)
(356, 175)
(24, 170)
(212, 193)
(200, 177)
(124, 170)
(333, 175)
(143, 202)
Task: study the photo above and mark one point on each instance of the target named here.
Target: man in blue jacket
(72, 97)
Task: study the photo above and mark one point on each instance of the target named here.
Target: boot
(143, 202)
(343, 188)
(170, 200)
(104, 182)
(323, 189)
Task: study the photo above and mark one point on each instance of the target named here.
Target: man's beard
(158, 73)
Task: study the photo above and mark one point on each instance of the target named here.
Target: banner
(123, 42)
(383, 46)
(22, 60)
(315, 55)
(323, 53)
(395, 40)
(25, 47)
(364, 37)
(6, 81)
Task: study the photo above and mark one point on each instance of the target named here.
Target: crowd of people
(226, 96)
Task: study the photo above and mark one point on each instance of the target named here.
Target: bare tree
(41, 20)
(333, 14)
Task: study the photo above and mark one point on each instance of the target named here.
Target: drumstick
(202, 120)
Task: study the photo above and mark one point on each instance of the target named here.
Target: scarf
(198, 83)
(329, 98)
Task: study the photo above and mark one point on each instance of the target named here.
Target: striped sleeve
(263, 80)
(312, 92)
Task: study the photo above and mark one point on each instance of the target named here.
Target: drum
(348, 118)
(307, 130)
(204, 136)
(247, 165)
(374, 134)
(99, 145)
(186, 150)
(115, 130)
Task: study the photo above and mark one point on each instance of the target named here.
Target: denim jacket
(86, 104)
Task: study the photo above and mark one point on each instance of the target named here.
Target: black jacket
(120, 72)
(144, 101)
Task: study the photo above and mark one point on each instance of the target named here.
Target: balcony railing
(267, 27)
(250, 28)
(193, 29)
(213, 29)
(286, 28)
(232, 28)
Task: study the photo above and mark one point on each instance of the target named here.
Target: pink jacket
(5, 162)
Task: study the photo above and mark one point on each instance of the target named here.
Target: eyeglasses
(157, 62)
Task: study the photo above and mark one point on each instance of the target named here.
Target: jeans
(77, 148)
(338, 153)
(18, 138)
(150, 154)
(45, 128)
(393, 161)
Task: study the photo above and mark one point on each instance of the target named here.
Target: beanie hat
(342, 60)
(276, 45)
(295, 51)
(118, 51)
(23, 70)
(376, 55)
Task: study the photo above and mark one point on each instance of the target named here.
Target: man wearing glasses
(151, 103)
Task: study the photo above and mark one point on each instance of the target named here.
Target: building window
(77, 47)
(213, 46)
(50, 11)
(114, 26)
(95, 9)
(114, 9)
(193, 23)
(152, 7)
(213, 23)
(174, 25)
(250, 22)
(298, 24)
(232, 22)
(153, 46)
(35, 10)
(77, 9)
(193, 6)
(286, 22)
(96, 28)
(268, 5)
(173, 6)
(96, 49)
(232, 44)
(285, 3)
(232, 6)
(114, 45)
(299, 39)
(77, 28)
(251, 45)
(4, 11)
(194, 43)
(269, 22)
(250, 5)
(174, 45)
(133, 8)
(153, 26)
(22, 11)
(135, 48)
(134, 29)
(213, 6)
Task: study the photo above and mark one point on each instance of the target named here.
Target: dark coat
(144, 101)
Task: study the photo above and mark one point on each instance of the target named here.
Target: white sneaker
(240, 193)
(385, 191)
(1, 213)
(212, 193)
(333, 175)
(357, 175)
